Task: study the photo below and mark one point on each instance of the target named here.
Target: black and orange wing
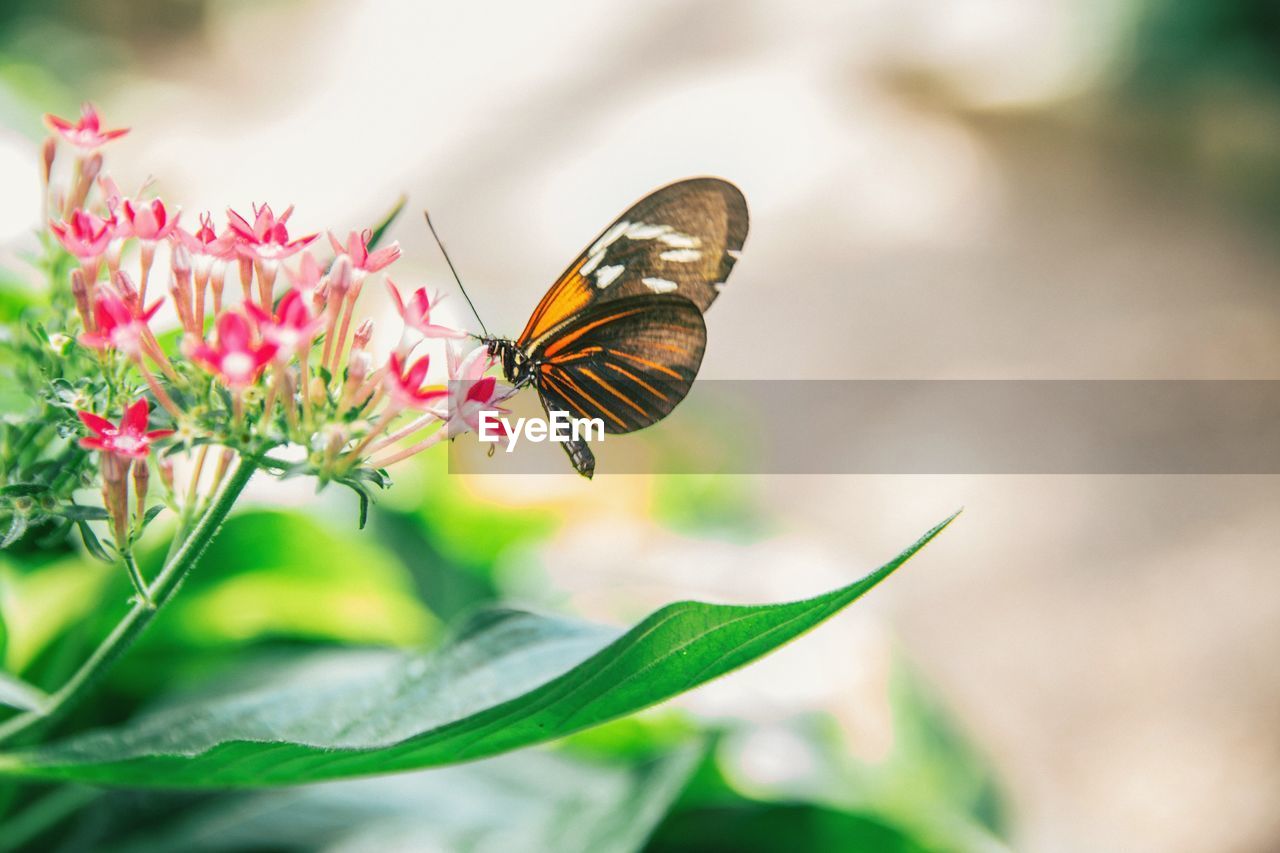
(682, 239)
(627, 361)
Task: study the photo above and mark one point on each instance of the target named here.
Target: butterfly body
(620, 335)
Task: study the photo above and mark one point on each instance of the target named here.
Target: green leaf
(767, 827)
(380, 230)
(533, 801)
(509, 680)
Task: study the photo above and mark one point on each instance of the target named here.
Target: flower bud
(316, 388)
(124, 286)
(358, 364)
(48, 153)
(92, 166)
(339, 279)
(364, 333)
(180, 261)
(141, 478)
(182, 304)
(321, 296)
(80, 292)
(166, 472)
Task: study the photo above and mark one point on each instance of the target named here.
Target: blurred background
(967, 189)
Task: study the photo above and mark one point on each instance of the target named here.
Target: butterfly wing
(626, 361)
(683, 238)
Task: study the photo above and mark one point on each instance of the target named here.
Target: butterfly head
(516, 366)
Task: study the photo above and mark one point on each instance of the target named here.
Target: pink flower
(417, 316)
(357, 248)
(117, 326)
(148, 222)
(86, 134)
(84, 235)
(405, 383)
(267, 239)
(130, 440)
(471, 392)
(292, 329)
(308, 276)
(206, 245)
(236, 359)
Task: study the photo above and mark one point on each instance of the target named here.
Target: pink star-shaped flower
(416, 314)
(129, 440)
(84, 235)
(86, 134)
(405, 383)
(149, 222)
(236, 358)
(116, 326)
(267, 239)
(357, 249)
(292, 329)
(471, 392)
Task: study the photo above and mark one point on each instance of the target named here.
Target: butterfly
(620, 335)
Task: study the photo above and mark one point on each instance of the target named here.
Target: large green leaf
(511, 679)
(530, 801)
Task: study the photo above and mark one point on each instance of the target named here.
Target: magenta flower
(357, 249)
(267, 239)
(236, 359)
(149, 222)
(130, 440)
(116, 326)
(86, 134)
(292, 329)
(416, 314)
(84, 235)
(404, 383)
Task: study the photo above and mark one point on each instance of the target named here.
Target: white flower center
(237, 366)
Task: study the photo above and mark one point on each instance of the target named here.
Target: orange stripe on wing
(652, 365)
(615, 392)
(636, 379)
(575, 355)
(547, 380)
(568, 380)
(560, 343)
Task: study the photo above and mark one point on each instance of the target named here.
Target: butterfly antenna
(454, 270)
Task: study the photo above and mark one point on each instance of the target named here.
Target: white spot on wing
(605, 275)
(719, 286)
(681, 256)
(676, 240)
(641, 231)
(609, 237)
(733, 253)
(660, 285)
(592, 262)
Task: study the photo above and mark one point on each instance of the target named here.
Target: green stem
(139, 584)
(139, 616)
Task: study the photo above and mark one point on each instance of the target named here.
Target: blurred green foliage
(1180, 44)
(276, 583)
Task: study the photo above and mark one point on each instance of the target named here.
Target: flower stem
(139, 585)
(139, 616)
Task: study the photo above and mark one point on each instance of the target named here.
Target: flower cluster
(235, 357)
